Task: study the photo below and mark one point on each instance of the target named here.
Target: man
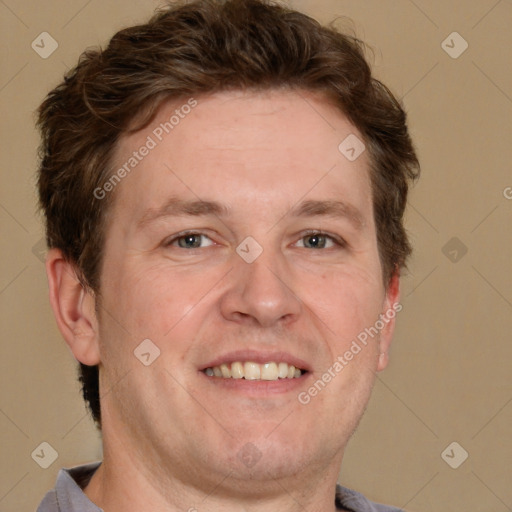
(224, 189)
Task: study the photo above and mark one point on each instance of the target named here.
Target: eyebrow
(335, 209)
(175, 207)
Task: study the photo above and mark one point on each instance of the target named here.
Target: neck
(122, 482)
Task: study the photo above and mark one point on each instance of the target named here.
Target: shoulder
(67, 496)
(49, 503)
(348, 499)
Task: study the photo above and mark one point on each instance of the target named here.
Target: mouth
(249, 370)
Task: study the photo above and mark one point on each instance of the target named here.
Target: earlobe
(390, 309)
(73, 307)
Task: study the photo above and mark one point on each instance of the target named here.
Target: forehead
(265, 147)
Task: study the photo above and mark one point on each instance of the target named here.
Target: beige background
(450, 375)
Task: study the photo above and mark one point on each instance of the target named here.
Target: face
(242, 244)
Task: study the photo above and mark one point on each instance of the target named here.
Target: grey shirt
(69, 497)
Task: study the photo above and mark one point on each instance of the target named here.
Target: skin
(175, 439)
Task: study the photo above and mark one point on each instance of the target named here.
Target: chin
(264, 459)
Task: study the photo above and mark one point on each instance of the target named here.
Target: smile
(253, 371)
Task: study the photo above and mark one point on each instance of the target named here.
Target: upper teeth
(254, 371)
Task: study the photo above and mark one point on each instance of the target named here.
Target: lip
(258, 388)
(257, 356)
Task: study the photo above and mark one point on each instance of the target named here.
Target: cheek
(154, 301)
(347, 306)
(346, 300)
(140, 307)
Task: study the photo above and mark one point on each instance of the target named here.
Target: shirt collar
(70, 496)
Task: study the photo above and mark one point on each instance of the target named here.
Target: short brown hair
(198, 48)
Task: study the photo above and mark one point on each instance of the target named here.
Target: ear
(73, 307)
(391, 308)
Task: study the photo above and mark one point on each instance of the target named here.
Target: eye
(317, 240)
(189, 241)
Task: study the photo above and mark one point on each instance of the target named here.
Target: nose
(261, 293)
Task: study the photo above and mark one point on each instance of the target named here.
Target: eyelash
(338, 241)
(177, 237)
(308, 233)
